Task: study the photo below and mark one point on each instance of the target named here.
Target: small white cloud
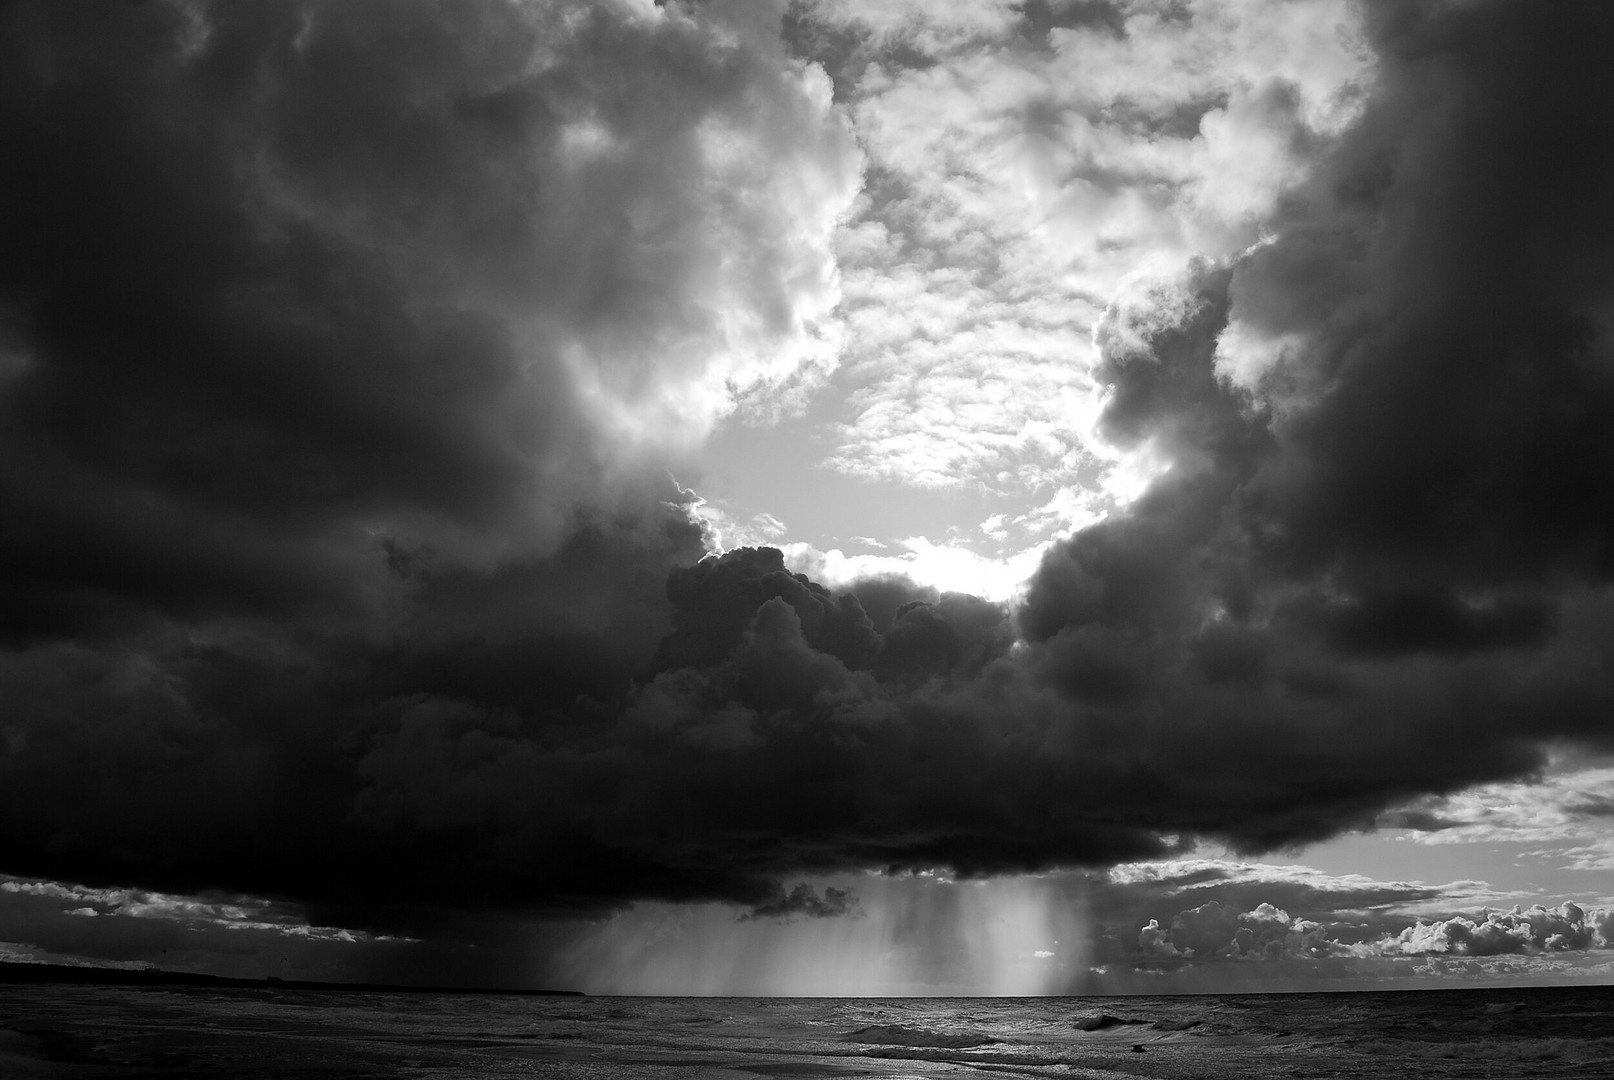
(767, 525)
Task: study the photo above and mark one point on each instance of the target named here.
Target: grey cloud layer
(334, 580)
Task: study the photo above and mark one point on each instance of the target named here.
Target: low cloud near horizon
(347, 352)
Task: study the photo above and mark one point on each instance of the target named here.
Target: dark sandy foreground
(121, 1033)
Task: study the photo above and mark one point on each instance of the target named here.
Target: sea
(115, 1033)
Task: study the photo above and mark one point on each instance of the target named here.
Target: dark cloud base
(325, 584)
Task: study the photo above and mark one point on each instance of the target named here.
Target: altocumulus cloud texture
(343, 346)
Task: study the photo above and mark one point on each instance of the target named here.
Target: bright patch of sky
(1026, 166)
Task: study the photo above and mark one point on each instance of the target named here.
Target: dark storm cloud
(332, 580)
(289, 285)
(1465, 363)
(1380, 562)
(716, 600)
(340, 349)
(804, 901)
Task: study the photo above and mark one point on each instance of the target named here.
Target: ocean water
(113, 1033)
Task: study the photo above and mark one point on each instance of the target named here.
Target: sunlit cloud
(1021, 182)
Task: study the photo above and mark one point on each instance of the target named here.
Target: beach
(115, 1033)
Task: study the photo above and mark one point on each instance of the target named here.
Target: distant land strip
(12, 972)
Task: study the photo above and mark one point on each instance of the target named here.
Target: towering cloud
(342, 347)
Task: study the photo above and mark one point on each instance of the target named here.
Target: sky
(827, 497)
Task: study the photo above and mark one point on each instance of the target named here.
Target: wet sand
(23, 1057)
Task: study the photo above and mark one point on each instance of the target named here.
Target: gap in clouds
(1006, 204)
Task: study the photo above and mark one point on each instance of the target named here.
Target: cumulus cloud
(1154, 940)
(1533, 929)
(1215, 932)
